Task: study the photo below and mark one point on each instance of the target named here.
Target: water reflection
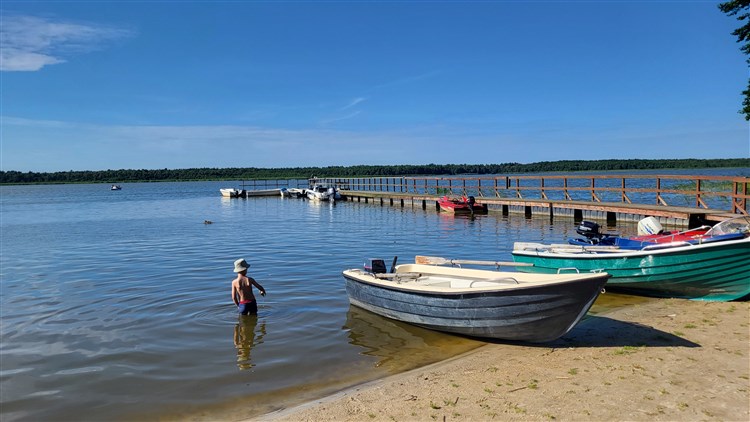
(468, 218)
(398, 346)
(247, 334)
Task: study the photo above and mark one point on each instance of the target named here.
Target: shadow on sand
(600, 331)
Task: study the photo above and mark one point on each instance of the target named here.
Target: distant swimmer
(242, 289)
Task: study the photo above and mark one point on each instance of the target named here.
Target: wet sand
(664, 360)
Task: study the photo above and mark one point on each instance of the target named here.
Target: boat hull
(717, 271)
(464, 210)
(527, 314)
(458, 207)
(314, 196)
(260, 192)
(242, 193)
(229, 193)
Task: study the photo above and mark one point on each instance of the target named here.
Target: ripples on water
(116, 305)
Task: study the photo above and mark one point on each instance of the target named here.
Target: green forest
(252, 173)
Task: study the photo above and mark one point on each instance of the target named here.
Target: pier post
(696, 220)
(577, 215)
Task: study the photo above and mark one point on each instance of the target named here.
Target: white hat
(240, 265)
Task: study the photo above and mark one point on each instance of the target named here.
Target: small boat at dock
(230, 192)
(292, 193)
(322, 193)
(465, 205)
(243, 193)
(262, 192)
(511, 306)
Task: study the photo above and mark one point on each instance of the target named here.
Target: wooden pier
(674, 199)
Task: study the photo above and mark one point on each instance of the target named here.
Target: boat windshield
(733, 225)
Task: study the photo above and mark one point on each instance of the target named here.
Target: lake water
(115, 305)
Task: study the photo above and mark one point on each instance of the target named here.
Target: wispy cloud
(349, 106)
(49, 145)
(354, 102)
(338, 119)
(43, 145)
(34, 123)
(28, 43)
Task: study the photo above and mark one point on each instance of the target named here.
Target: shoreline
(669, 359)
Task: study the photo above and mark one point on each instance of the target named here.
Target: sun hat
(240, 265)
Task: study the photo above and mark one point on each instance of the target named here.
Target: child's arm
(259, 287)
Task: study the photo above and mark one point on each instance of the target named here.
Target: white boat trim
(594, 252)
(435, 279)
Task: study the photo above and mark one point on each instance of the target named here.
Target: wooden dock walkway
(605, 197)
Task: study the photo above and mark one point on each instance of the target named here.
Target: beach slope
(665, 360)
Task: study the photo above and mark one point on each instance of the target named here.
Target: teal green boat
(713, 270)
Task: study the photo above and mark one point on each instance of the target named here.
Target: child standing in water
(242, 289)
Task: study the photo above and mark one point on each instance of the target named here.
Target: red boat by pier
(462, 206)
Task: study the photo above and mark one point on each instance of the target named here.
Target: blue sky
(94, 85)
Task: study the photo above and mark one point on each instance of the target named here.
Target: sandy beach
(665, 360)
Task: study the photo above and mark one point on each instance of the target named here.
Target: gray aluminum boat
(479, 303)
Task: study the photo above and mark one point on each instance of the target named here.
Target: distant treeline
(252, 173)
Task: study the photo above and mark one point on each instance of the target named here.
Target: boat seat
(501, 280)
(399, 277)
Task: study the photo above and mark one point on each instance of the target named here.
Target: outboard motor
(590, 231)
(471, 201)
(375, 266)
(331, 192)
(649, 226)
(593, 236)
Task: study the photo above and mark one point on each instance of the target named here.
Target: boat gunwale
(534, 280)
(547, 251)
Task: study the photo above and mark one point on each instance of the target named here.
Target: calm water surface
(116, 304)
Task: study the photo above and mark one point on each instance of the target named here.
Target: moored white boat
(503, 305)
(230, 192)
(242, 193)
(292, 193)
(262, 192)
(321, 193)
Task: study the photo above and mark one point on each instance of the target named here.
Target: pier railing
(717, 193)
(255, 184)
